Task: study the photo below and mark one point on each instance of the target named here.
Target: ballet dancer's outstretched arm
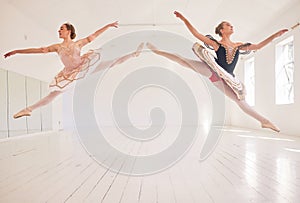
(90, 38)
(51, 48)
(55, 47)
(266, 41)
(193, 30)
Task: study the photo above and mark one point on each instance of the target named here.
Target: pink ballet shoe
(139, 50)
(151, 47)
(270, 125)
(24, 112)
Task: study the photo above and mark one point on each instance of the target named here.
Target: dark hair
(71, 27)
(219, 28)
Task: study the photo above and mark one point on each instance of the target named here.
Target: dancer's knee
(55, 93)
(214, 77)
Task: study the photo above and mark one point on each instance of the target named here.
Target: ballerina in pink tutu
(76, 65)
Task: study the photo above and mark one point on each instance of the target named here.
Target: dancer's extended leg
(204, 70)
(195, 65)
(265, 123)
(111, 63)
(46, 100)
(106, 64)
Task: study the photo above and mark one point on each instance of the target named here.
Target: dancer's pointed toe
(24, 112)
(151, 46)
(139, 50)
(270, 126)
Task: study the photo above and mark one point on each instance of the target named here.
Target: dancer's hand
(179, 15)
(10, 54)
(280, 32)
(114, 24)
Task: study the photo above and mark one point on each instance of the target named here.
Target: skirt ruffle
(235, 84)
(66, 77)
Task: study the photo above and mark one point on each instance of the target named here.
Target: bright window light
(250, 81)
(284, 71)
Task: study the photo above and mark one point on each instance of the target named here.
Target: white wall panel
(17, 101)
(3, 104)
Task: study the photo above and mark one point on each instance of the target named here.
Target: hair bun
(219, 28)
(72, 29)
(216, 31)
(73, 35)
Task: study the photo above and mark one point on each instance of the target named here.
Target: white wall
(27, 32)
(17, 92)
(285, 116)
(142, 102)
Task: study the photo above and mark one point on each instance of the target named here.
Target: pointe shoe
(270, 126)
(139, 50)
(151, 47)
(24, 112)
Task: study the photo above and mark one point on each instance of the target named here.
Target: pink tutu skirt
(66, 77)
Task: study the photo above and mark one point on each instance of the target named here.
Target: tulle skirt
(65, 78)
(235, 84)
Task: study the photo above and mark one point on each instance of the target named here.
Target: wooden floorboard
(246, 166)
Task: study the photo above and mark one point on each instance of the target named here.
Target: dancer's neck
(67, 41)
(226, 40)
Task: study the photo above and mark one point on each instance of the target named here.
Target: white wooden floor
(247, 166)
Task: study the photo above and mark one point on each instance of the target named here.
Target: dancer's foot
(139, 50)
(24, 112)
(270, 125)
(151, 47)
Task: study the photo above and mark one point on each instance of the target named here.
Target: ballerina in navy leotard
(227, 56)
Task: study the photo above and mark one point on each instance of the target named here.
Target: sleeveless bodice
(76, 66)
(227, 58)
(70, 55)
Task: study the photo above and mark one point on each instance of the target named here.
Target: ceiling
(34, 23)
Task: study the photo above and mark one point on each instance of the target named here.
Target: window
(284, 71)
(249, 75)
